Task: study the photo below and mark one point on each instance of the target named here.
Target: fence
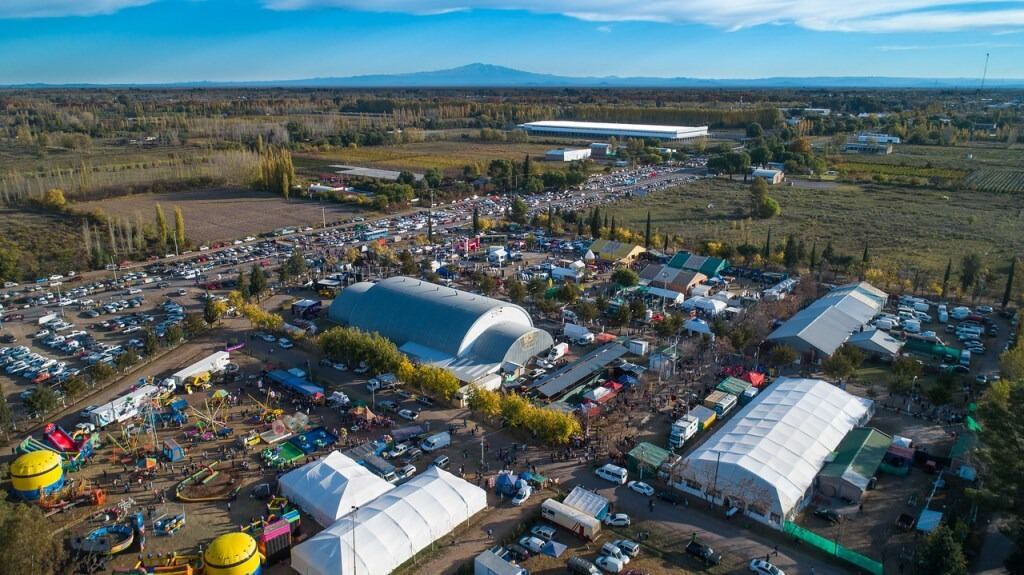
(833, 548)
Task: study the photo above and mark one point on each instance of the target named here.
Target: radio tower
(985, 73)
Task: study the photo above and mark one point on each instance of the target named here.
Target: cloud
(819, 15)
(61, 8)
(915, 47)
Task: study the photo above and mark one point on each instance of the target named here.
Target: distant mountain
(491, 76)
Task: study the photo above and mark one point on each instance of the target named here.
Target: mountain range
(491, 76)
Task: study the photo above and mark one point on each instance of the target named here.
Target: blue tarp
(298, 385)
(506, 483)
(553, 549)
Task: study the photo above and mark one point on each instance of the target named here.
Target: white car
(762, 567)
(522, 496)
(641, 488)
(408, 414)
(285, 344)
(268, 338)
(339, 366)
(628, 547)
(617, 520)
(609, 564)
(532, 544)
(397, 451)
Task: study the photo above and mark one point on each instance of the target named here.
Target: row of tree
(550, 426)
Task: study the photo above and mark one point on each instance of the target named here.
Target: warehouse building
(470, 335)
(567, 154)
(607, 130)
(854, 464)
(614, 252)
(765, 459)
(825, 325)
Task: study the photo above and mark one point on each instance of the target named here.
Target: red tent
(755, 378)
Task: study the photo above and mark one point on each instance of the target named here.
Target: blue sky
(109, 41)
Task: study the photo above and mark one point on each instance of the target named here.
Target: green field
(996, 180)
(448, 156)
(904, 228)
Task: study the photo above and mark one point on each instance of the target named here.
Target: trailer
(570, 518)
(706, 417)
(213, 363)
(577, 334)
(125, 407)
(721, 402)
(683, 429)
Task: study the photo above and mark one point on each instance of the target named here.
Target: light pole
(355, 510)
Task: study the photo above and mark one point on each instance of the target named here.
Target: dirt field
(448, 156)
(221, 214)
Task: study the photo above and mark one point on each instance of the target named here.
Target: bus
(370, 235)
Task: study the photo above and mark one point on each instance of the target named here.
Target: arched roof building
(470, 334)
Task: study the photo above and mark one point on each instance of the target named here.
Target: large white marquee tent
(328, 489)
(391, 529)
(766, 457)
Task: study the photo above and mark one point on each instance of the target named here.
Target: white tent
(391, 529)
(329, 488)
(764, 460)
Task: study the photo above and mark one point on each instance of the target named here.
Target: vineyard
(992, 180)
(900, 170)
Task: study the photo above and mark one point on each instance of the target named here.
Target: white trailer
(683, 429)
(125, 407)
(577, 333)
(558, 351)
(214, 363)
(573, 519)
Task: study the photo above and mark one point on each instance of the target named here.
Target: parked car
(670, 497)
(762, 567)
(284, 343)
(627, 546)
(641, 488)
(545, 532)
(408, 414)
(532, 544)
(581, 566)
(617, 520)
(407, 471)
(609, 564)
(830, 515)
(704, 552)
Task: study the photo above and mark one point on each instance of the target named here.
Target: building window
(775, 518)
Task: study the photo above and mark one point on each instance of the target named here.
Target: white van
(965, 358)
(612, 473)
(436, 441)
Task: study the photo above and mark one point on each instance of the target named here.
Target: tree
(470, 172)
(782, 355)
(754, 130)
(518, 211)
(407, 264)
(162, 233)
(1008, 292)
(211, 311)
(129, 358)
(760, 156)
(970, 271)
(54, 199)
(433, 177)
(526, 168)
(296, 264)
(790, 255)
(485, 401)
(623, 316)
(625, 277)
(476, 220)
(941, 554)
(587, 311)
(103, 371)
(812, 260)
(73, 386)
(174, 334)
(179, 227)
(595, 224)
(6, 418)
(42, 400)
(28, 542)
(150, 343)
(740, 337)
(516, 290)
(501, 173)
(837, 366)
(568, 293)
(537, 288)
(904, 371)
(487, 284)
(767, 251)
(945, 276)
(761, 204)
(647, 231)
(257, 281)
(865, 259)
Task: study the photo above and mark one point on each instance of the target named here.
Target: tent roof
(587, 501)
(327, 489)
(858, 456)
(827, 323)
(392, 528)
(876, 341)
(769, 453)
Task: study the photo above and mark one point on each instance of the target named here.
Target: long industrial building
(470, 335)
(606, 130)
(822, 327)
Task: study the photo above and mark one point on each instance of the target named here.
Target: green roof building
(707, 265)
(854, 462)
(647, 458)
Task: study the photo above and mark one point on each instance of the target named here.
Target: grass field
(221, 214)
(448, 156)
(47, 243)
(908, 228)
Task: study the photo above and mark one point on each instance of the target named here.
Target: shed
(854, 462)
(646, 459)
(733, 386)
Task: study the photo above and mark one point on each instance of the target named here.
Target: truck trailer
(570, 518)
(683, 429)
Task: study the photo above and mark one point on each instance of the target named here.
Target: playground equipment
(72, 495)
(171, 564)
(197, 382)
(205, 485)
(270, 413)
(65, 443)
(113, 538)
(232, 554)
(172, 451)
(37, 473)
(169, 524)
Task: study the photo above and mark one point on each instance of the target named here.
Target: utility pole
(714, 485)
(354, 511)
(481, 455)
(323, 215)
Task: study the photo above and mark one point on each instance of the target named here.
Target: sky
(156, 41)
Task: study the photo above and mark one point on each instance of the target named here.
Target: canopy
(392, 528)
(553, 549)
(328, 489)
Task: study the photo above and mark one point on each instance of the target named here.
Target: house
(611, 251)
(867, 148)
(670, 278)
(771, 177)
(877, 138)
(601, 150)
(708, 265)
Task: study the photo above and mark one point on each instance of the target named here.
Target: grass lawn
(905, 228)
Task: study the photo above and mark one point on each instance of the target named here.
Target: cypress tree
(945, 276)
(647, 231)
(1009, 282)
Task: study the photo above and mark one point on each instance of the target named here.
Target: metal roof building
(607, 130)
(471, 335)
(826, 324)
(585, 367)
(764, 460)
(854, 463)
